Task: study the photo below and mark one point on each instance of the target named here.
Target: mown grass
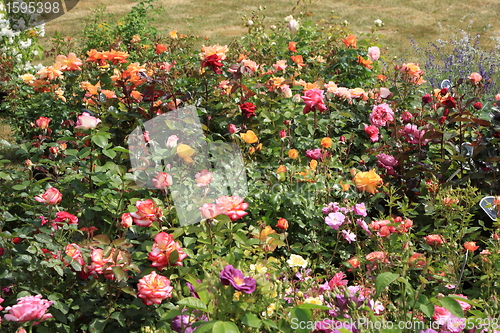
(221, 20)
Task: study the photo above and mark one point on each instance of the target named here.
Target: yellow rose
(313, 164)
(293, 154)
(297, 261)
(368, 181)
(185, 152)
(249, 137)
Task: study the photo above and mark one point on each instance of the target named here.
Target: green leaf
(383, 280)
(43, 238)
(205, 326)
(251, 320)
(103, 239)
(299, 315)
(453, 306)
(427, 309)
(97, 325)
(193, 303)
(109, 153)
(225, 327)
(100, 140)
(119, 273)
(59, 270)
(119, 317)
(313, 306)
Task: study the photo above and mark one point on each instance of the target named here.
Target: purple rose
(388, 162)
(231, 275)
(184, 322)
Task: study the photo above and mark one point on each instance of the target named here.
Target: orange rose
(326, 142)
(249, 137)
(282, 224)
(354, 262)
(471, 246)
(350, 41)
(292, 46)
(368, 181)
(281, 168)
(293, 154)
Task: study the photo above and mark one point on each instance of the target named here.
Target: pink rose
(86, 121)
(313, 99)
(374, 53)
(232, 128)
(127, 220)
(203, 178)
(154, 288)
(209, 210)
(42, 122)
(372, 132)
(314, 154)
(381, 115)
(146, 213)
(51, 197)
(475, 77)
(388, 162)
(232, 206)
(162, 249)
(29, 308)
(172, 141)
(162, 180)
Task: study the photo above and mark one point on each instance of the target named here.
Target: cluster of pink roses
(387, 227)
(162, 250)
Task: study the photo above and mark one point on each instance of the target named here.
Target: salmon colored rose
(282, 224)
(42, 122)
(471, 246)
(368, 181)
(51, 197)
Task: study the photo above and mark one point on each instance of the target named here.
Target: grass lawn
(221, 20)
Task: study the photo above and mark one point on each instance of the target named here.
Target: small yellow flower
(313, 300)
(236, 295)
(249, 137)
(173, 34)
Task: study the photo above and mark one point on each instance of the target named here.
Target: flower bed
(293, 181)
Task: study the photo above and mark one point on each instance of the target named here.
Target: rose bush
(340, 219)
